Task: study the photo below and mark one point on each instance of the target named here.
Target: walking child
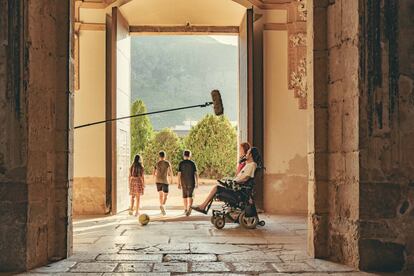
(163, 177)
(136, 184)
(187, 180)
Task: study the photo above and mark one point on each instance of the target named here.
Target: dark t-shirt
(188, 169)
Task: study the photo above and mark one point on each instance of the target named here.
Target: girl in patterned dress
(136, 183)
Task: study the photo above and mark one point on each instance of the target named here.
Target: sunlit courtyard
(175, 245)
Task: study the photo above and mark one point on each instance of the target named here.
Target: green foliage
(213, 142)
(141, 129)
(167, 141)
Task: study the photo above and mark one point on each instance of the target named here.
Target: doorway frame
(254, 131)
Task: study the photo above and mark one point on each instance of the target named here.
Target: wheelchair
(238, 207)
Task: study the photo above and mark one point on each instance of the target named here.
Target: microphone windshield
(217, 102)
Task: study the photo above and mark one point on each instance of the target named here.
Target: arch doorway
(120, 21)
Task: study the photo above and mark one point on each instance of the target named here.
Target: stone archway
(360, 152)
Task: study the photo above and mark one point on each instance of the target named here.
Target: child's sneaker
(188, 212)
(162, 208)
(130, 212)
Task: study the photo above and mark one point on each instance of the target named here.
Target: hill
(175, 71)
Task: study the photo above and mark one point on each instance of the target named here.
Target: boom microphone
(215, 96)
(217, 102)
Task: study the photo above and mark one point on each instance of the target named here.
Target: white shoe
(162, 208)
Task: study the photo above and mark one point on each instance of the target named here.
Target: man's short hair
(187, 153)
(161, 154)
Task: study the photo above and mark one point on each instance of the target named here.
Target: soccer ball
(143, 219)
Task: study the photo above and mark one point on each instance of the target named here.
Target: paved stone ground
(178, 245)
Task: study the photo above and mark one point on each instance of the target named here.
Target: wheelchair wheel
(248, 222)
(219, 222)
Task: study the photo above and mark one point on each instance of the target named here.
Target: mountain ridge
(175, 71)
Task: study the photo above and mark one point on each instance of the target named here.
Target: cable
(144, 114)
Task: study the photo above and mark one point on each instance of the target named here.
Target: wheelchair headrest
(259, 168)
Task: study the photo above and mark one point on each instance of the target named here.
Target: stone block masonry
(13, 134)
(343, 61)
(386, 133)
(34, 136)
(366, 167)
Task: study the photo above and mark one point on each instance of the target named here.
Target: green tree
(213, 142)
(141, 129)
(167, 141)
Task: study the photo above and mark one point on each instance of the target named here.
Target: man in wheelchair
(237, 194)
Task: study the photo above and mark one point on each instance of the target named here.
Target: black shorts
(187, 191)
(162, 187)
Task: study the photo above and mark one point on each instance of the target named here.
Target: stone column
(317, 58)
(13, 140)
(386, 136)
(34, 136)
(343, 97)
(334, 87)
(365, 218)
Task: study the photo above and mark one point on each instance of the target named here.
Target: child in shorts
(163, 175)
(187, 180)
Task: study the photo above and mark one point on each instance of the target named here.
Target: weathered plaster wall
(34, 141)
(285, 131)
(92, 15)
(89, 196)
(89, 143)
(386, 129)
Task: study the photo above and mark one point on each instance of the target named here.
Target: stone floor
(177, 245)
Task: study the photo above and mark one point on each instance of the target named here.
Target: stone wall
(343, 152)
(13, 141)
(361, 170)
(386, 131)
(333, 76)
(317, 79)
(34, 145)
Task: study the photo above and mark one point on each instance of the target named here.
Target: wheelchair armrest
(225, 182)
